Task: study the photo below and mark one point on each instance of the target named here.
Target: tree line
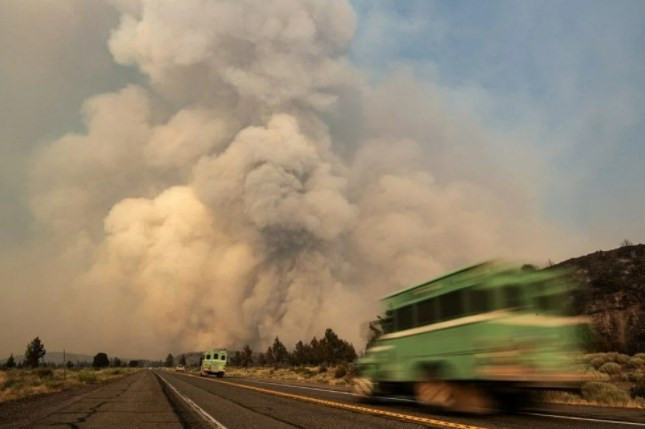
(329, 350)
(35, 357)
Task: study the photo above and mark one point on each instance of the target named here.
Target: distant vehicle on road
(476, 339)
(180, 368)
(213, 363)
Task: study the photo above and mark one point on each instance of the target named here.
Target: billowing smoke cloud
(228, 201)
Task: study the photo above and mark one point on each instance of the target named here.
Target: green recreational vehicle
(475, 339)
(213, 362)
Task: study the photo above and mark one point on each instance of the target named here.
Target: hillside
(613, 294)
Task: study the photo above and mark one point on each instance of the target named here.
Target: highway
(166, 399)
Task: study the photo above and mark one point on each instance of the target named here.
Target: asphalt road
(136, 401)
(163, 399)
(244, 403)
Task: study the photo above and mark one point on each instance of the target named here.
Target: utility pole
(64, 366)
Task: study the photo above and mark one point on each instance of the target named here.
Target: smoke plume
(255, 184)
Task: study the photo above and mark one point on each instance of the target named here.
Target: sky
(167, 167)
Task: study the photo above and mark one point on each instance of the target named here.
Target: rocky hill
(613, 294)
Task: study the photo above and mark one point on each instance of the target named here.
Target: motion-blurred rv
(213, 363)
(476, 339)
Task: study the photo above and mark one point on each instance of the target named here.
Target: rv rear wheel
(435, 393)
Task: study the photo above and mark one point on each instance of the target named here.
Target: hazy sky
(407, 138)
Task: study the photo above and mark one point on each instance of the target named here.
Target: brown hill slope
(613, 294)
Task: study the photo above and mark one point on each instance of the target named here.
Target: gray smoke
(228, 201)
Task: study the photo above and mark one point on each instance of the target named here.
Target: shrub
(11, 382)
(44, 372)
(620, 358)
(340, 372)
(640, 356)
(610, 368)
(115, 371)
(638, 390)
(636, 362)
(604, 393)
(87, 377)
(54, 384)
(305, 372)
(322, 369)
(595, 375)
(636, 377)
(599, 361)
(352, 369)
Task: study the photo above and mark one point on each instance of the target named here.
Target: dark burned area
(612, 293)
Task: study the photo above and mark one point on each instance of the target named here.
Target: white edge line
(586, 419)
(196, 407)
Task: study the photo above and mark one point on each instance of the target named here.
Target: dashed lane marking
(349, 407)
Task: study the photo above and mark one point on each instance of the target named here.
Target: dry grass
(21, 383)
(614, 381)
(332, 376)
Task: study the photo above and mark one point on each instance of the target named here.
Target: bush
(640, 356)
(638, 390)
(340, 372)
(87, 377)
(115, 371)
(604, 393)
(595, 375)
(636, 377)
(636, 362)
(305, 372)
(44, 372)
(11, 382)
(620, 358)
(610, 368)
(322, 369)
(54, 384)
(599, 361)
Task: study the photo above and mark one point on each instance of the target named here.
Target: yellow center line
(344, 406)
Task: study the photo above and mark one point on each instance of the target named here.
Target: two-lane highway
(243, 403)
(165, 399)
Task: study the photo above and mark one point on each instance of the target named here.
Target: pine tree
(35, 351)
(170, 361)
(247, 356)
(10, 363)
(182, 360)
(279, 352)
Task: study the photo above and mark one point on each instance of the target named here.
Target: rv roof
(460, 271)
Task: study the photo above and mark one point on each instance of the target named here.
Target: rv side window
(426, 313)
(479, 301)
(214, 356)
(451, 305)
(208, 357)
(512, 296)
(223, 357)
(404, 318)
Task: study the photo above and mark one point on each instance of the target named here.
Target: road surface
(163, 399)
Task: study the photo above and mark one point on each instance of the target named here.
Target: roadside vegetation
(32, 376)
(18, 383)
(615, 380)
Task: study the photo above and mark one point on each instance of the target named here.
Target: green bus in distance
(476, 340)
(213, 363)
